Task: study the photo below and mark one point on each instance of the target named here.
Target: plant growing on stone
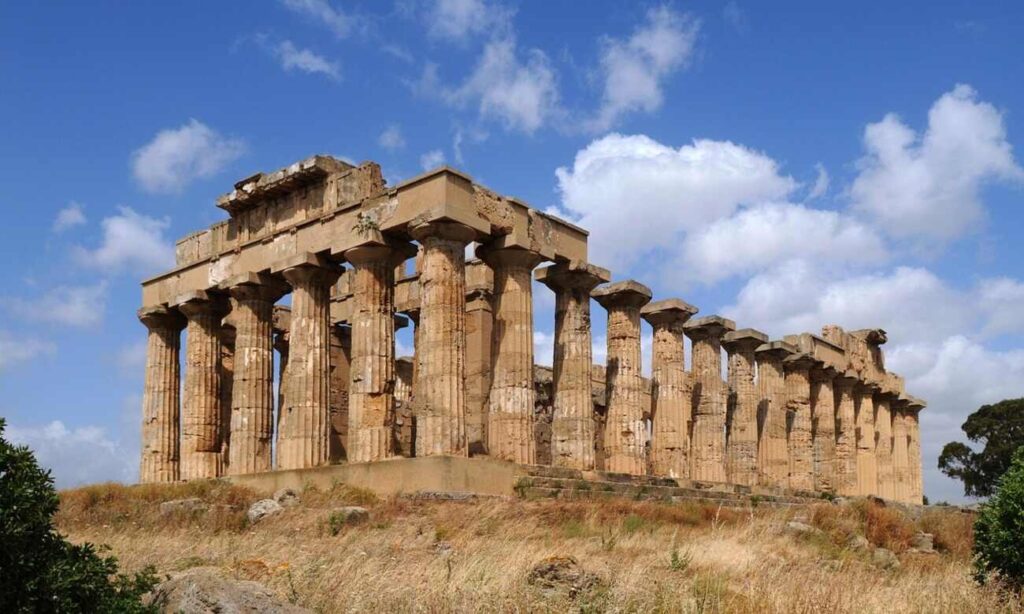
(999, 530)
(40, 571)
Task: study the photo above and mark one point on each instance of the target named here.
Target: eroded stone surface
(741, 419)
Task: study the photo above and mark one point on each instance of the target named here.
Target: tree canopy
(999, 430)
(40, 571)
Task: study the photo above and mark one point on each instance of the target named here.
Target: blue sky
(787, 165)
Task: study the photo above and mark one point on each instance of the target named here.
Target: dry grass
(475, 556)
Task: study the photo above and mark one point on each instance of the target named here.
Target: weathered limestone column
(479, 364)
(511, 402)
(823, 427)
(161, 395)
(710, 398)
(773, 451)
(371, 411)
(900, 447)
(441, 334)
(846, 434)
(867, 469)
(304, 440)
(671, 391)
(914, 450)
(227, 382)
(773, 446)
(883, 445)
(625, 429)
(741, 443)
(572, 427)
(340, 382)
(798, 405)
(252, 395)
(203, 428)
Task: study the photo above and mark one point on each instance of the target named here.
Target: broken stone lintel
(874, 336)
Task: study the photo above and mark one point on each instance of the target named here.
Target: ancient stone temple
(290, 308)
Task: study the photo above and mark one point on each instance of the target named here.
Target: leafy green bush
(40, 571)
(999, 530)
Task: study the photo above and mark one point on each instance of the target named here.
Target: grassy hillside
(470, 556)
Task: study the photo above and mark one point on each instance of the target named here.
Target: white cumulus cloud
(391, 139)
(929, 184)
(305, 60)
(69, 217)
(521, 94)
(76, 456)
(432, 159)
(17, 350)
(76, 306)
(339, 22)
(131, 241)
(177, 156)
(639, 197)
(458, 19)
(1001, 301)
(759, 237)
(634, 69)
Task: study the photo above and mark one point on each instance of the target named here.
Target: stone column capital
(161, 317)
(708, 327)
(745, 339)
(574, 275)
(800, 363)
(202, 303)
(496, 257)
(671, 313)
(846, 379)
(823, 373)
(380, 248)
(450, 231)
(255, 286)
(622, 294)
(775, 349)
(308, 268)
(862, 387)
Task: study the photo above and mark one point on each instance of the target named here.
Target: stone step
(578, 488)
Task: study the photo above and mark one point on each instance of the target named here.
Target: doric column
(772, 448)
(371, 411)
(846, 434)
(867, 469)
(823, 427)
(161, 395)
(798, 406)
(479, 364)
(671, 390)
(304, 440)
(625, 429)
(252, 395)
(900, 458)
(572, 426)
(227, 383)
(741, 420)
(441, 370)
(341, 376)
(883, 445)
(710, 398)
(203, 428)
(511, 401)
(914, 450)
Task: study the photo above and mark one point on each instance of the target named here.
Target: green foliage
(999, 530)
(39, 570)
(680, 561)
(999, 428)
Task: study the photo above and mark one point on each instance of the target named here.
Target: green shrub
(40, 571)
(999, 530)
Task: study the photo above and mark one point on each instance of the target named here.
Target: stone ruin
(808, 413)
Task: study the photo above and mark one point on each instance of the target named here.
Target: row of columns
(779, 419)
